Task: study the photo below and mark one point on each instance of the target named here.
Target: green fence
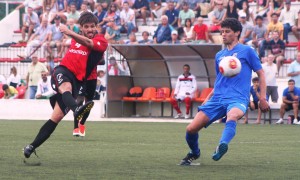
(7, 7)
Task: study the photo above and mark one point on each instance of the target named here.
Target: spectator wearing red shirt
(68, 76)
(200, 31)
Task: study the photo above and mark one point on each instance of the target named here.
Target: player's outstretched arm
(263, 105)
(77, 37)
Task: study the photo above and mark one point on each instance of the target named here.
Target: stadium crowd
(265, 27)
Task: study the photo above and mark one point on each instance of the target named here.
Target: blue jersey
(287, 94)
(236, 88)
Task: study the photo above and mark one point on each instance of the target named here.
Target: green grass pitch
(132, 150)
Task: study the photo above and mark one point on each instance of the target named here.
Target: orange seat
(204, 93)
(168, 99)
(133, 90)
(148, 94)
(21, 92)
(162, 94)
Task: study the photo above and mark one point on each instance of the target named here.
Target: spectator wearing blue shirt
(76, 2)
(100, 13)
(254, 104)
(141, 9)
(145, 39)
(290, 101)
(163, 31)
(172, 14)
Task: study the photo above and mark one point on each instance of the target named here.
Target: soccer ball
(230, 66)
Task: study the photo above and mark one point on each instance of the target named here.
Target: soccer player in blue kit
(231, 95)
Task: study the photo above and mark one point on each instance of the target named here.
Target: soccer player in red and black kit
(68, 77)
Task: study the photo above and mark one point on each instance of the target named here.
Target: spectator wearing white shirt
(127, 16)
(37, 6)
(270, 70)
(288, 18)
(14, 79)
(31, 21)
(44, 89)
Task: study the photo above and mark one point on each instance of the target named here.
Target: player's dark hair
(4, 87)
(274, 14)
(291, 80)
(87, 17)
(255, 79)
(186, 65)
(259, 17)
(232, 24)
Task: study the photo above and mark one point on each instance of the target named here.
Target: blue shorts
(216, 109)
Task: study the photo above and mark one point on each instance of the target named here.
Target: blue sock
(192, 140)
(228, 132)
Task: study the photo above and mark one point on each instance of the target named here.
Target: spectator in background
(188, 31)
(275, 25)
(73, 14)
(127, 16)
(217, 17)
(298, 21)
(155, 5)
(141, 9)
(66, 41)
(39, 38)
(56, 36)
(254, 104)
(14, 78)
(288, 18)
(185, 89)
(100, 13)
(77, 4)
(246, 34)
(172, 14)
(262, 7)
(112, 14)
(101, 91)
(36, 5)
(258, 35)
(35, 70)
(277, 48)
(50, 64)
(294, 70)
(145, 39)
(44, 89)
(290, 101)
(31, 21)
(200, 32)
(49, 9)
(9, 92)
(231, 10)
(84, 8)
(163, 31)
(62, 6)
(275, 6)
(90, 3)
(270, 70)
(132, 39)
(104, 4)
(114, 68)
(184, 14)
(248, 11)
(113, 34)
(174, 38)
(239, 3)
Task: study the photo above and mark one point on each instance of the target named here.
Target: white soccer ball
(230, 66)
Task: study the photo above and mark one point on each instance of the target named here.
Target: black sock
(84, 118)
(44, 133)
(69, 100)
(75, 123)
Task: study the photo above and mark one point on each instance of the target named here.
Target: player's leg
(76, 130)
(46, 130)
(235, 112)
(258, 114)
(208, 113)
(89, 96)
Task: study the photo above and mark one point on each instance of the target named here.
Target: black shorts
(290, 107)
(88, 89)
(60, 75)
(255, 105)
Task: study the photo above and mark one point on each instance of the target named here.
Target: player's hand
(64, 29)
(264, 105)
